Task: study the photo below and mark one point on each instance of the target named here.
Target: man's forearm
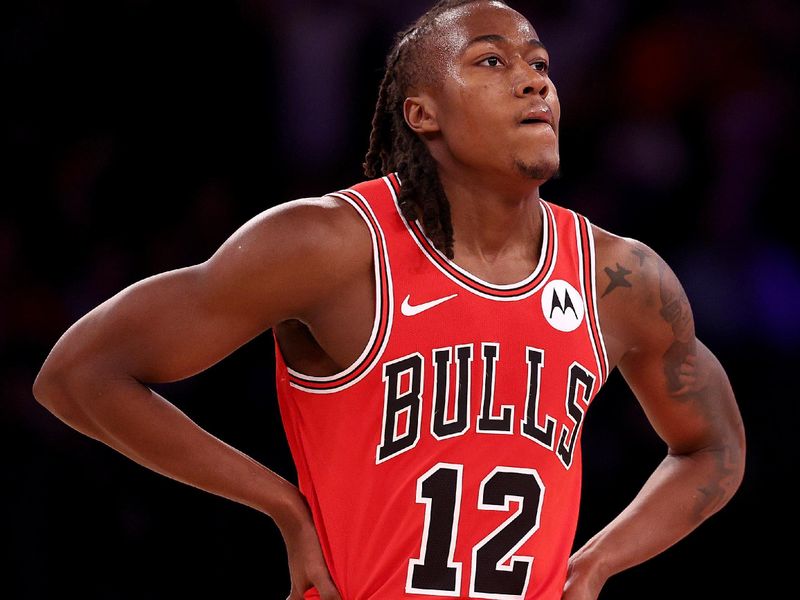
(682, 492)
(133, 419)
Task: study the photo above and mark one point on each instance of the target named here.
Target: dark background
(139, 134)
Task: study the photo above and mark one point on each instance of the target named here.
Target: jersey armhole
(586, 253)
(382, 319)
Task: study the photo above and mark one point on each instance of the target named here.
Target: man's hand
(306, 561)
(583, 582)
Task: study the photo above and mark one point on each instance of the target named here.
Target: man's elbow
(738, 451)
(728, 466)
(51, 389)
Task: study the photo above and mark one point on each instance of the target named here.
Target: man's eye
(491, 61)
(540, 65)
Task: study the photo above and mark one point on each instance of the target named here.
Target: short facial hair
(540, 171)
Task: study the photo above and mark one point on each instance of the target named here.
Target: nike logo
(408, 310)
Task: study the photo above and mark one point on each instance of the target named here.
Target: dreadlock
(393, 146)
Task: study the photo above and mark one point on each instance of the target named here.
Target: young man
(440, 332)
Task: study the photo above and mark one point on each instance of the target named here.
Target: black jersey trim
(382, 322)
(512, 291)
(587, 265)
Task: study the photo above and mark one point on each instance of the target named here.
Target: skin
(305, 268)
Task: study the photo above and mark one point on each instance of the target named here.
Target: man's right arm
(282, 264)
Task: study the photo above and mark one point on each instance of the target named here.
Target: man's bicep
(680, 384)
(164, 328)
(689, 403)
(176, 324)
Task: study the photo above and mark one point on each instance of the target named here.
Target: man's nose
(530, 81)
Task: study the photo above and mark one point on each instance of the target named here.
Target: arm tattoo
(692, 381)
(718, 490)
(679, 359)
(639, 253)
(617, 279)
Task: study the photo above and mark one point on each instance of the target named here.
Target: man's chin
(541, 170)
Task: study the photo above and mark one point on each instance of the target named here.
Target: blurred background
(138, 135)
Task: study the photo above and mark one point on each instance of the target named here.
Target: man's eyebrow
(495, 38)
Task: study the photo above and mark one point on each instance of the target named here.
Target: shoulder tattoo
(618, 277)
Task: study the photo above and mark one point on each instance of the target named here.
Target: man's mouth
(536, 115)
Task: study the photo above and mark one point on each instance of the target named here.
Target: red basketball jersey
(446, 460)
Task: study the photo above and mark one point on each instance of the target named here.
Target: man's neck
(492, 222)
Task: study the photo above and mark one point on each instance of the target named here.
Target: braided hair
(393, 146)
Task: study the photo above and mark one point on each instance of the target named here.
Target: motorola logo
(562, 305)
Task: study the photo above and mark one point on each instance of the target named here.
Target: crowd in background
(138, 135)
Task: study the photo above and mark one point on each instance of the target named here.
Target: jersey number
(435, 573)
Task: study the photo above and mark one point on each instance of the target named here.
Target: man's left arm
(687, 398)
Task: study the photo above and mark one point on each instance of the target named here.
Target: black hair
(393, 146)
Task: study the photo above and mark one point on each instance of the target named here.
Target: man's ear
(420, 114)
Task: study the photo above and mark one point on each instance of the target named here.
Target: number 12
(435, 573)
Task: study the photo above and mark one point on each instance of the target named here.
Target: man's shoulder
(341, 220)
(320, 217)
(308, 233)
(626, 264)
(633, 284)
(611, 247)
(333, 212)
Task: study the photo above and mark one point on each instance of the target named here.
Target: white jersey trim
(601, 358)
(377, 256)
(547, 230)
(593, 266)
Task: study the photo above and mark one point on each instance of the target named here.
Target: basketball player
(440, 333)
